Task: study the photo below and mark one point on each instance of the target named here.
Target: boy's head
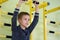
(23, 19)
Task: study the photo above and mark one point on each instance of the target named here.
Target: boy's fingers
(35, 2)
(20, 1)
(24, 0)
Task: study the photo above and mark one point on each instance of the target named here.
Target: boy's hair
(21, 14)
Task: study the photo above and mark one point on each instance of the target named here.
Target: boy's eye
(27, 19)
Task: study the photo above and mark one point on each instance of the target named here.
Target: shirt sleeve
(14, 19)
(33, 24)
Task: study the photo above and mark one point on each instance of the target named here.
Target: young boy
(22, 32)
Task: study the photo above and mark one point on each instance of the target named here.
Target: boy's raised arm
(14, 19)
(36, 17)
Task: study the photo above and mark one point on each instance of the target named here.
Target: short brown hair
(21, 14)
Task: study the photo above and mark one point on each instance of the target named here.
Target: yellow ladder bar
(2, 36)
(42, 5)
(53, 10)
(2, 1)
(30, 5)
(44, 25)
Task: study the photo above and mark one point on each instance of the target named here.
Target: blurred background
(48, 27)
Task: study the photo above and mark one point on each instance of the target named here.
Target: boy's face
(24, 21)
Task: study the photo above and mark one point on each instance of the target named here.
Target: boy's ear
(19, 20)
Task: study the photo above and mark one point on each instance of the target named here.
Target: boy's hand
(19, 3)
(36, 6)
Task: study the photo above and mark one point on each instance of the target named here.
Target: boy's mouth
(26, 23)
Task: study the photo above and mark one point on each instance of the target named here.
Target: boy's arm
(14, 19)
(35, 20)
(33, 24)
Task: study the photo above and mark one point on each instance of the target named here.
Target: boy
(22, 32)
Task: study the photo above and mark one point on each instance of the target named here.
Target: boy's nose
(27, 21)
